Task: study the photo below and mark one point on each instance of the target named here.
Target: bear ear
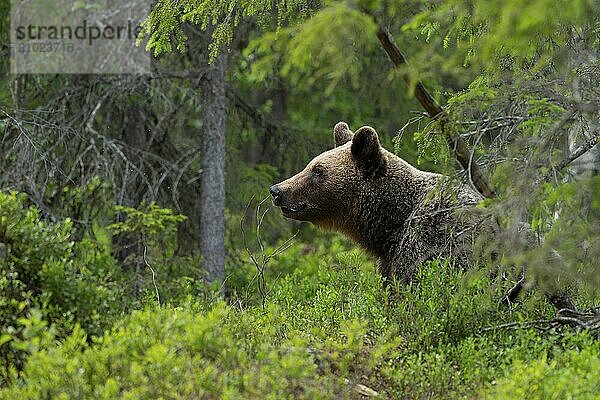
(367, 151)
(341, 134)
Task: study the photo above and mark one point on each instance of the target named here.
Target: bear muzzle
(275, 192)
(288, 210)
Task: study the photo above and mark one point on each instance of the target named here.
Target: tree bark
(212, 198)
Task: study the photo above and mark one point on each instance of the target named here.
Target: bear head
(328, 189)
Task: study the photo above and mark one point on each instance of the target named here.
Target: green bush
(326, 326)
(569, 374)
(161, 353)
(47, 281)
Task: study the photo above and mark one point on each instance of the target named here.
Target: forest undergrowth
(326, 328)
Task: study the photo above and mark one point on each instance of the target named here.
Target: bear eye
(318, 172)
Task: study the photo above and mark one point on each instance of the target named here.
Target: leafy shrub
(326, 326)
(153, 272)
(570, 374)
(46, 279)
(174, 354)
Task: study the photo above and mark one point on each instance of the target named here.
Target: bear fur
(398, 213)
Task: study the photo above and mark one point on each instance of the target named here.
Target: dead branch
(582, 320)
(578, 152)
(61, 147)
(261, 264)
(257, 117)
(153, 273)
(511, 294)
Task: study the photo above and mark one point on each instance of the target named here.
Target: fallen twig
(585, 320)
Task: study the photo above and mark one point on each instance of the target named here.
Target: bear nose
(275, 191)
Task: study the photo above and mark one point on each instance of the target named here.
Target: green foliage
(511, 33)
(430, 145)
(479, 94)
(568, 211)
(46, 279)
(302, 53)
(572, 374)
(542, 113)
(155, 273)
(152, 222)
(327, 325)
(166, 18)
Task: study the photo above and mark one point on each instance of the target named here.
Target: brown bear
(398, 213)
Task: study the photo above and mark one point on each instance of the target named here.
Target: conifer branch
(436, 112)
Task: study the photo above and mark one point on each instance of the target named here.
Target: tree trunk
(212, 198)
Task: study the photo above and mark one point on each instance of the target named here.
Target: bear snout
(290, 208)
(275, 191)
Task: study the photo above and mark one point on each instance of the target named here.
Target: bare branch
(578, 152)
(153, 274)
(258, 117)
(588, 320)
(265, 258)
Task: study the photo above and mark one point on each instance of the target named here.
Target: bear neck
(381, 212)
